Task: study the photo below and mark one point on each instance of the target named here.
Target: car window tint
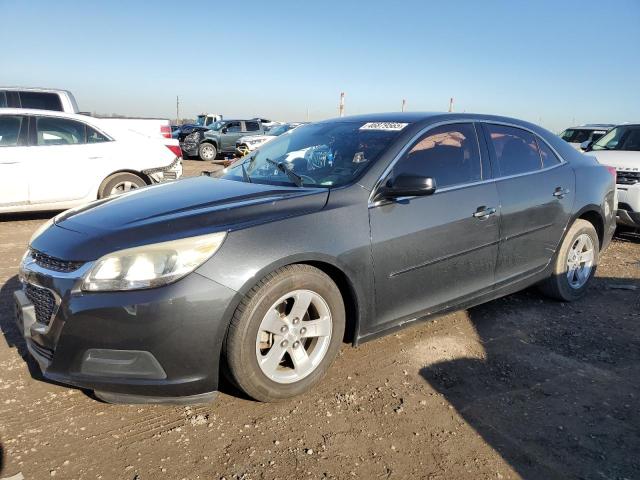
(94, 136)
(252, 126)
(233, 127)
(549, 158)
(448, 154)
(515, 149)
(59, 131)
(41, 101)
(3, 99)
(10, 130)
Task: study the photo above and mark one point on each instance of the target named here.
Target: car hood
(180, 209)
(620, 159)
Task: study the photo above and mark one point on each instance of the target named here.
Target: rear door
(429, 252)
(66, 159)
(536, 192)
(14, 175)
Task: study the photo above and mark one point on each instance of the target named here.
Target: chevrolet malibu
(342, 230)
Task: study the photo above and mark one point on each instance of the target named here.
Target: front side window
(59, 131)
(449, 154)
(252, 126)
(516, 150)
(620, 138)
(326, 154)
(40, 101)
(233, 127)
(10, 130)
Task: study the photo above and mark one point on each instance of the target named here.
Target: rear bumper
(156, 345)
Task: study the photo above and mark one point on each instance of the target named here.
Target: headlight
(152, 265)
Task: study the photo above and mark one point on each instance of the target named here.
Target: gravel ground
(521, 387)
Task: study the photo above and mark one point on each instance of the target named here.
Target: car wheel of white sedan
(285, 335)
(120, 183)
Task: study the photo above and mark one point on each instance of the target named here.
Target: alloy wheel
(294, 336)
(580, 261)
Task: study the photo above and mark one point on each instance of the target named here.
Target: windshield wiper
(245, 175)
(293, 176)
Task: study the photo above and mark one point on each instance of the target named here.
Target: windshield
(322, 154)
(216, 125)
(279, 130)
(200, 120)
(579, 135)
(620, 138)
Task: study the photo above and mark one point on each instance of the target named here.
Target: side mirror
(585, 146)
(405, 185)
(224, 130)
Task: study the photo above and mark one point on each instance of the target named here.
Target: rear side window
(3, 99)
(549, 159)
(252, 126)
(10, 130)
(41, 101)
(516, 150)
(94, 136)
(449, 154)
(59, 131)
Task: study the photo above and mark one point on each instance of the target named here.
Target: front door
(232, 133)
(14, 183)
(430, 252)
(536, 193)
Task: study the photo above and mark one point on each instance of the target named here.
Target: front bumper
(628, 212)
(190, 148)
(628, 218)
(161, 344)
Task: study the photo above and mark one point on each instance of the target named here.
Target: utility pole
(341, 105)
(451, 104)
(404, 104)
(177, 109)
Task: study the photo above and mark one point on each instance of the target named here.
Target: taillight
(165, 131)
(177, 151)
(612, 171)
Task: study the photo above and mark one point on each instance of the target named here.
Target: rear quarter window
(3, 99)
(41, 101)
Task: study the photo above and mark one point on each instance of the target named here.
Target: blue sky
(548, 61)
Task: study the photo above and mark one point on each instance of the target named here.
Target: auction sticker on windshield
(390, 126)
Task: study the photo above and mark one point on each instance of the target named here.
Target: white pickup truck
(64, 101)
(620, 148)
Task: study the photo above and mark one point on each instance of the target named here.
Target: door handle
(560, 192)
(482, 213)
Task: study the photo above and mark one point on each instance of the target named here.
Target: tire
(278, 299)
(563, 286)
(120, 183)
(207, 151)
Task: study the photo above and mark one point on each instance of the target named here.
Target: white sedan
(54, 161)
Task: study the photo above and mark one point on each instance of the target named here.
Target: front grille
(44, 303)
(625, 177)
(54, 264)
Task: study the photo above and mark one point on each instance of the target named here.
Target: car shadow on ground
(556, 394)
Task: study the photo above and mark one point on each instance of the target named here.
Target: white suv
(584, 133)
(620, 148)
(54, 160)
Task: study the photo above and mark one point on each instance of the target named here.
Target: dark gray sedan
(340, 230)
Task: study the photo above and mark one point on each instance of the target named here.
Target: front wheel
(284, 336)
(207, 151)
(575, 263)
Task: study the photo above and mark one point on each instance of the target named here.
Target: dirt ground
(521, 387)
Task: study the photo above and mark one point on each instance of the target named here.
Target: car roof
(50, 113)
(593, 126)
(35, 89)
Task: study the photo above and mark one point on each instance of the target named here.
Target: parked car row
(617, 147)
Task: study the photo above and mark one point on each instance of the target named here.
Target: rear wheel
(285, 335)
(120, 183)
(207, 151)
(575, 263)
